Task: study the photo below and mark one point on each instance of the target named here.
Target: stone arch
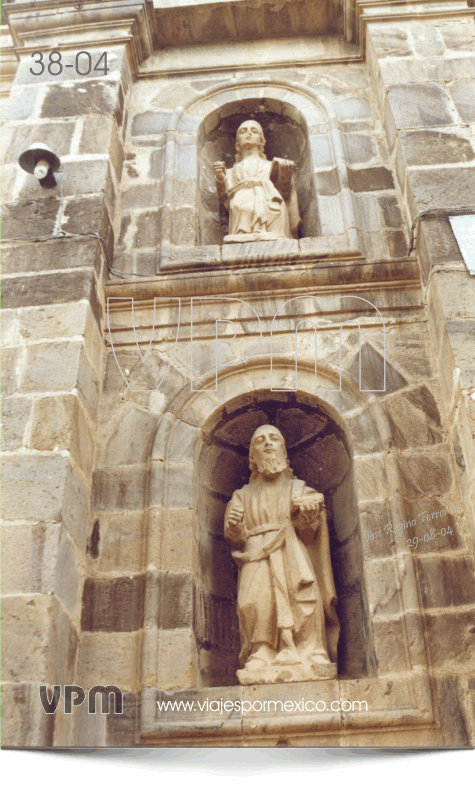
(286, 134)
(194, 123)
(217, 457)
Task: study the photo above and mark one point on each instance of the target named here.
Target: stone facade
(117, 471)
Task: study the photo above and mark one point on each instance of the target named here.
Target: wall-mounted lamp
(41, 161)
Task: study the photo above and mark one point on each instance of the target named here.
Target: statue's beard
(270, 463)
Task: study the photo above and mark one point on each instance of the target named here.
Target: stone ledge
(403, 702)
(230, 255)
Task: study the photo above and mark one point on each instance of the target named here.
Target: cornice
(387, 11)
(55, 24)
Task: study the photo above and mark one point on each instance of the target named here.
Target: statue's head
(267, 452)
(248, 133)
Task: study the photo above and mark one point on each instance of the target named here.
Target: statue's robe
(278, 587)
(254, 202)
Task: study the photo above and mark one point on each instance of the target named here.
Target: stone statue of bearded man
(286, 606)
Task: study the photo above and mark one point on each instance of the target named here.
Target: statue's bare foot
(319, 658)
(286, 656)
(261, 657)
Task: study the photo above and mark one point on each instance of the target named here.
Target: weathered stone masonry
(115, 569)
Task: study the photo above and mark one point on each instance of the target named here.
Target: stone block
(407, 349)
(88, 384)
(458, 35)
(185, 226)
(419, 105)
(11, 369)
(377, 371)
(222, 469)
(449, 187)
(109, 659)
(122, 729)
(8, 177)
(100, 136)
(463, 96)
(354, 651)
(376, 540)
(348, 562)
(324, 464)
(88, 214)
(152, 122)
(41, 559)
(389, 646)
(360, 147)
(353, 109)
(141, 195)
(119, 489)
(119, 541)
(363, 432)
(397, 244)
(427, 40)
(170, 534)
(327, 183)
(370, 477)
(368, 215)
(390, 41)
(453, 722)
(85, 98)
(32, 626)
(24, 103)
(375, 178)
(414, 418)
(113, 605)
(15, 417)
(51, 255)
(130, 439)
(382, 587)
(38, 488)
(24, 722)
(9, 328)
(169, 600)
(17, 138)
(39, 289)
(29, 219)
(82, 728)
(433, 147)
(344, 509)
(446, 581)
(451, 638)
(156, 172)
(177, 657)
(322, 155)
(424, 475)
(60, 423)
(218, 572)
(60, 320)
(216, 621)
(51, 366)
(148, 229)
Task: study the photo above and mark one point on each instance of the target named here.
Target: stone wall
(116, 471)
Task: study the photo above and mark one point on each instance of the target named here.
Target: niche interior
(285, 131)
(319, 453)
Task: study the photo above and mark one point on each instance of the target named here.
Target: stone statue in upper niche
(259, 194)
(286, 605)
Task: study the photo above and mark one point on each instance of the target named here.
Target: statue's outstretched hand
(286, 168)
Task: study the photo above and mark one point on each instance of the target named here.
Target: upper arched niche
(286, 134)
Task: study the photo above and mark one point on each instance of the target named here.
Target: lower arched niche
(319, 454)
